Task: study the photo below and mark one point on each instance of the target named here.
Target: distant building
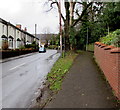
(45, 38)
(14, 36)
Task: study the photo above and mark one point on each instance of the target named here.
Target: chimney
(25, 29)
(18, 26)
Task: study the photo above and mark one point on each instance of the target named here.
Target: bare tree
(47, 35)
(74, 12)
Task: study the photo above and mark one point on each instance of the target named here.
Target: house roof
(8, 23)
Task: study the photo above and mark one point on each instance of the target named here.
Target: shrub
(52, 47)
(16, 52)
(5, 45)
(33, 45)
(112, 39)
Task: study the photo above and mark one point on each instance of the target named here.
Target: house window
(4, 38)
(3, 29)
(11, 42)
(18, 42)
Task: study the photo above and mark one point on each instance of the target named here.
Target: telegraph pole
(35, 32)
(60, 26)
(35, 29)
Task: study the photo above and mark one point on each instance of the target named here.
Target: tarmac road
(22, 77)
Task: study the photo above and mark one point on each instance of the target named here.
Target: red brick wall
(108, 58)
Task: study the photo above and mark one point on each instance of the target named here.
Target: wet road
(22, 77)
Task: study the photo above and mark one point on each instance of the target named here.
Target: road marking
(17, 66)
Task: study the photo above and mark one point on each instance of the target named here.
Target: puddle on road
(21, 74)
(52, 57)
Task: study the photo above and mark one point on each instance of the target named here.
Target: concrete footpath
(84, 87)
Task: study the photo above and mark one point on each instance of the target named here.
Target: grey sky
(28, 13)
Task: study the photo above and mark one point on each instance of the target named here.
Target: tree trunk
(72, 6)
(66, 26)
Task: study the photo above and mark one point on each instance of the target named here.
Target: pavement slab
(84, 87)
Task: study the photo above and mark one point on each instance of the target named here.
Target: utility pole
(87, 39)
(60, 26)
(35, 29)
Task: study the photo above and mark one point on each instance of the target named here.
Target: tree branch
(83, 12)
(58, 9)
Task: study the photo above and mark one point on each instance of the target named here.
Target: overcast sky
(28, 13)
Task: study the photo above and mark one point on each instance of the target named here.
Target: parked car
(42, 50)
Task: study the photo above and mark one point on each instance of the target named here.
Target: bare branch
(83, 12)
(51, 5)
(77, 13)
(60, 11)
(49, 9)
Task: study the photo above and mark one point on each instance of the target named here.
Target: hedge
(12, 53)
(112, 38)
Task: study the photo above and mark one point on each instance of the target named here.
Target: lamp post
(60, 26)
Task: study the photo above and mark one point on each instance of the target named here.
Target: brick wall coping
(98, 43)
(108, 47)
(115, 50)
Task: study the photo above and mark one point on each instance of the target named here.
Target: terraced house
(13, 37)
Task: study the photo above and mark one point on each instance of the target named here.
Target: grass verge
(60, 68)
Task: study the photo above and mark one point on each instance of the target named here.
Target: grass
(60, 68)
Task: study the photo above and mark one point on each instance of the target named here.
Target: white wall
(11, 32)
(28, 39)
(18, 36)
(22, 38)
(0, 35)
(15, 33)
(3, 31)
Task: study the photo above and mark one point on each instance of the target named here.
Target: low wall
(12, 53)
(108, 58)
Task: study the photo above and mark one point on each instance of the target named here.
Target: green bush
(52, 47)
(90, 47)
(33, 45)
(112, 39)
(12, 53)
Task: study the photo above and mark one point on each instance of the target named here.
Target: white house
(3, 32)
(13, 36)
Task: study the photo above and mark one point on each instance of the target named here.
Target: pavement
(84, 87)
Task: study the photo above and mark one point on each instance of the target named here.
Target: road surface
(22, 77)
